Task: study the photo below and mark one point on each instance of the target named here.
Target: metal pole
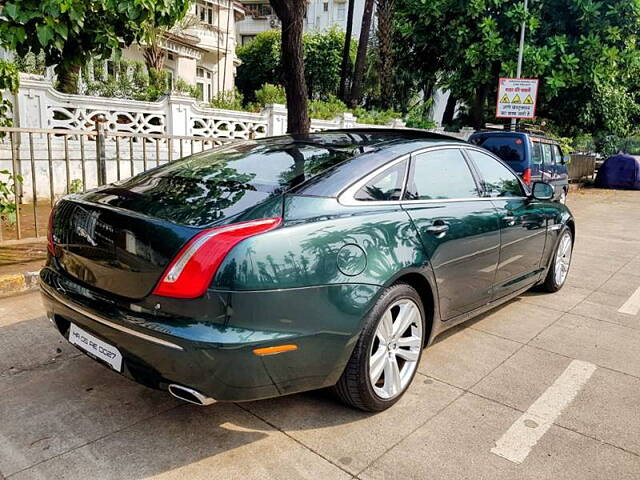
(100, 151)
(523, 27)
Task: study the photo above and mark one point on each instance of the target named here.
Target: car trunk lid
(114, 250)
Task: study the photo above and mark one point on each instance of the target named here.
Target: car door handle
(438, 228)
(509, 220)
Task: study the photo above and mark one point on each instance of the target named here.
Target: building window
(246, 39)
(200, 72)
(200, 90)
(341, 11)
(170, 56)
(258, 10)
(206, 14)
(325, 7)
(170, 78)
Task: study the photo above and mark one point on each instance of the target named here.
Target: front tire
(386, 356)
(559, 268)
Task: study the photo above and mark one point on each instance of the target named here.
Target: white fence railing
(39, 105)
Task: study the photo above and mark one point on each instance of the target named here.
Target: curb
(18, 283)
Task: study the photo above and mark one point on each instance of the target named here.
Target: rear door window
(440, 174)
(497, 180)
(557, 156)
(547, 155)
(536, 154)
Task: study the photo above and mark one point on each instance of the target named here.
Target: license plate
(96, 347)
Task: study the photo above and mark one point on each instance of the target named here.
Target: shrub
(375, 117)
(228, 100)
(269, 94)
(129, 80)
(326, 109)
(7, 196)
(185, 88)
(31, 63)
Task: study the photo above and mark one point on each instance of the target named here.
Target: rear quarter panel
(325, 243)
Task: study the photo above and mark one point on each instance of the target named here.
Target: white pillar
(276, 119)
(179, 115)
(346, 120)
(30, 108)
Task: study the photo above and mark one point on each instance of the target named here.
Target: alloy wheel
(395, 350)
(563, 258)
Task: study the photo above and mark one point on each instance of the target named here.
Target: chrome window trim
(111, 324)
(347, 196)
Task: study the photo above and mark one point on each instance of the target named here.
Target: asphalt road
(547, 386)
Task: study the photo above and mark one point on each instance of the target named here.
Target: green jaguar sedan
(274, 266)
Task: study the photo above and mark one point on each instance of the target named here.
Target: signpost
(517, 98)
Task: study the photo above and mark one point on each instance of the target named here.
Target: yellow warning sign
(510, 96)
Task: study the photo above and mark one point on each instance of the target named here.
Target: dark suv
(534, 157)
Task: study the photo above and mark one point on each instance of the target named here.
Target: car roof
(497, 133)
(369, 137)
(371, 149)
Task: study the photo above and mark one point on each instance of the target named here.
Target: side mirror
(542, 191)
(565, 159)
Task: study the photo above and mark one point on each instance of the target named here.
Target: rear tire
(386, 356)
(560, 264)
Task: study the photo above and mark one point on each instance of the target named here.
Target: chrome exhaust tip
(190, 395)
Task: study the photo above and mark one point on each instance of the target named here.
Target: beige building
(201, 51)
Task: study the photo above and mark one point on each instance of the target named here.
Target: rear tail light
(526, 176)
(51, 246)
(191, 272)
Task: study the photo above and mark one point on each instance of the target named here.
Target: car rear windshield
(509, 149)
(209, 186)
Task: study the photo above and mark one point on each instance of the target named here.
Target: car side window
(557, 156)
(386, 186)
(548, 158)
(497, 180)
(536, 153)
(440, 174)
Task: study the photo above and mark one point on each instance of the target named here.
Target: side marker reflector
(274, 350)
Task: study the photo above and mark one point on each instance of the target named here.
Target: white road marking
(631, 306)
(523, 435)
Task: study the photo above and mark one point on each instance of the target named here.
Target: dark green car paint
(309, 282)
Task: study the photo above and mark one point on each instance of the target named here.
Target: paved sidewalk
(555, 378)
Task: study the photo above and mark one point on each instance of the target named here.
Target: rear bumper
(213, 352)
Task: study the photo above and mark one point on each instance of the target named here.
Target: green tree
(69, 32)
(261, 63)
(585, 53)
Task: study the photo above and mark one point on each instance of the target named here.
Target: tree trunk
(68, 75)
(358, 73)
(154, 57)
(385, 50)
(345, 68)
(477, 112)
(291, 13)
(450, 110)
